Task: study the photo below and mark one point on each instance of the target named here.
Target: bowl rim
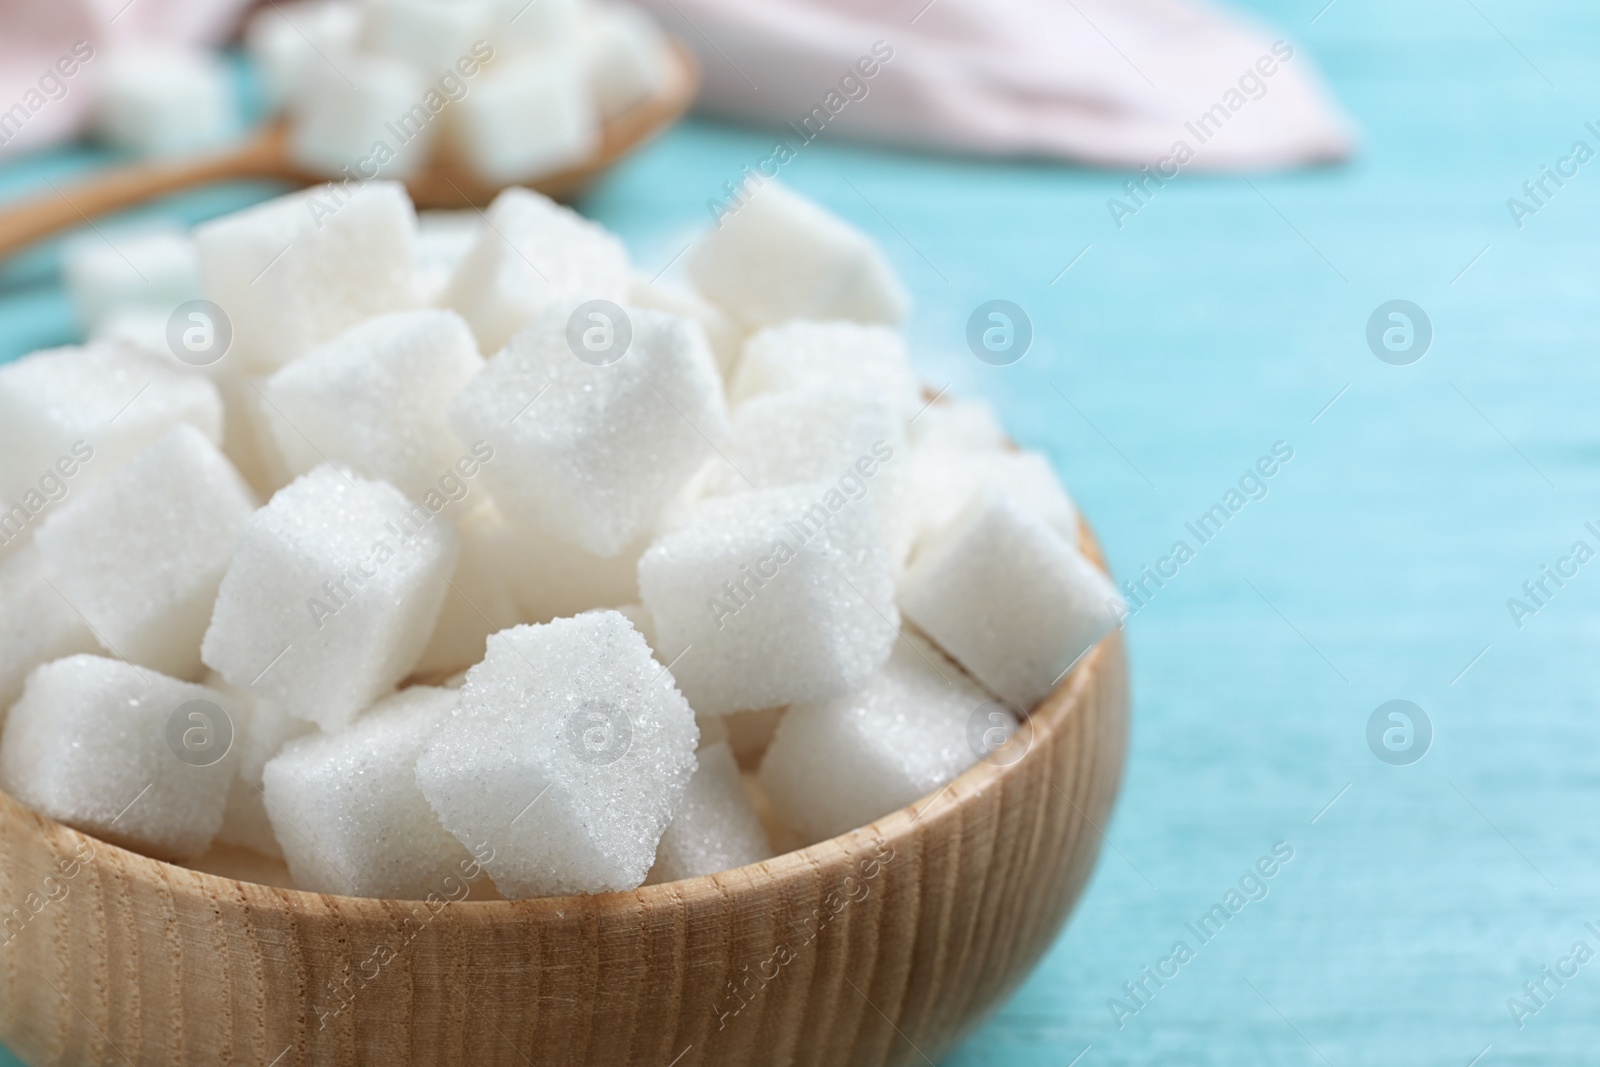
(1045, 721)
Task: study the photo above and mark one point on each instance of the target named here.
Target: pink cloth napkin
(40, 40)
(1109, 82)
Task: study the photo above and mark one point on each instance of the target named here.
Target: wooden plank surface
(1219, 320)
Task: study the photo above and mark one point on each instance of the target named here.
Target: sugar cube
(638, 617)
(153, 268)
(626, 55)
(137, 329)
(533, 253)
(851, 440)
(594, 451)
(71, 416)
(443, 240)
(121, 752)
(430, 36)
(716, 828)
(373, 400)
(1008, 598)
(164, 102)
(480, 601)
(526, 118)
(518, 27)
(945, 480)
(250, 434)
(333, 591)
(725, 336)
(363, 116)
(776, 595)
(37, 624)
(260, 730)
(347, 810)
(299, 270)
(777, 257)
(838, 764)
(142, 553)
(801, 355)
(285, 41)
(568, 754)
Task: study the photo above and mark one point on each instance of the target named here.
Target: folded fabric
(51, 52)
(1169, 83)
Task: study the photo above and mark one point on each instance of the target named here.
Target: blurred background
(1443, 452)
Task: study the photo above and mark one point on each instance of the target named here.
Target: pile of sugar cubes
(506, 558)
(510, 90)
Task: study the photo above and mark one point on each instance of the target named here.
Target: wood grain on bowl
(444, 183)
(884, 946)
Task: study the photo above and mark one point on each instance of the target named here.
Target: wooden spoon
(443, 183)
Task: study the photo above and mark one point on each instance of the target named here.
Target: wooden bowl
(886, 945)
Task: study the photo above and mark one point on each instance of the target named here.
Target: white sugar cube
(568, 754)
(533, 253)
(142, 553)
(363, 116)
(594, 452)
(1009, 599)
(850, 440)
(37, 624)
(626, 55)
(71, 416)
(430, 36)
(299, 270)
(286, 41)
(152, 268)
(716, 828)
(480, 601)
(250, 434)
(526, 118)
(957, 424)
(777, 595)
(333, 591)
(165, 101)
(518, 27)
(347, 810)
(139, 329)
(838, 764)
(726, 337)
(778, 257)
(120, 752)
(373, 400)
(260, 731)
(945, 480)
(801, 355)
(443, 240)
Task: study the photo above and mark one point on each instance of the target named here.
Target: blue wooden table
(1226, 317)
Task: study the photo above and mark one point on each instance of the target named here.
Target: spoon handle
(66, 205)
